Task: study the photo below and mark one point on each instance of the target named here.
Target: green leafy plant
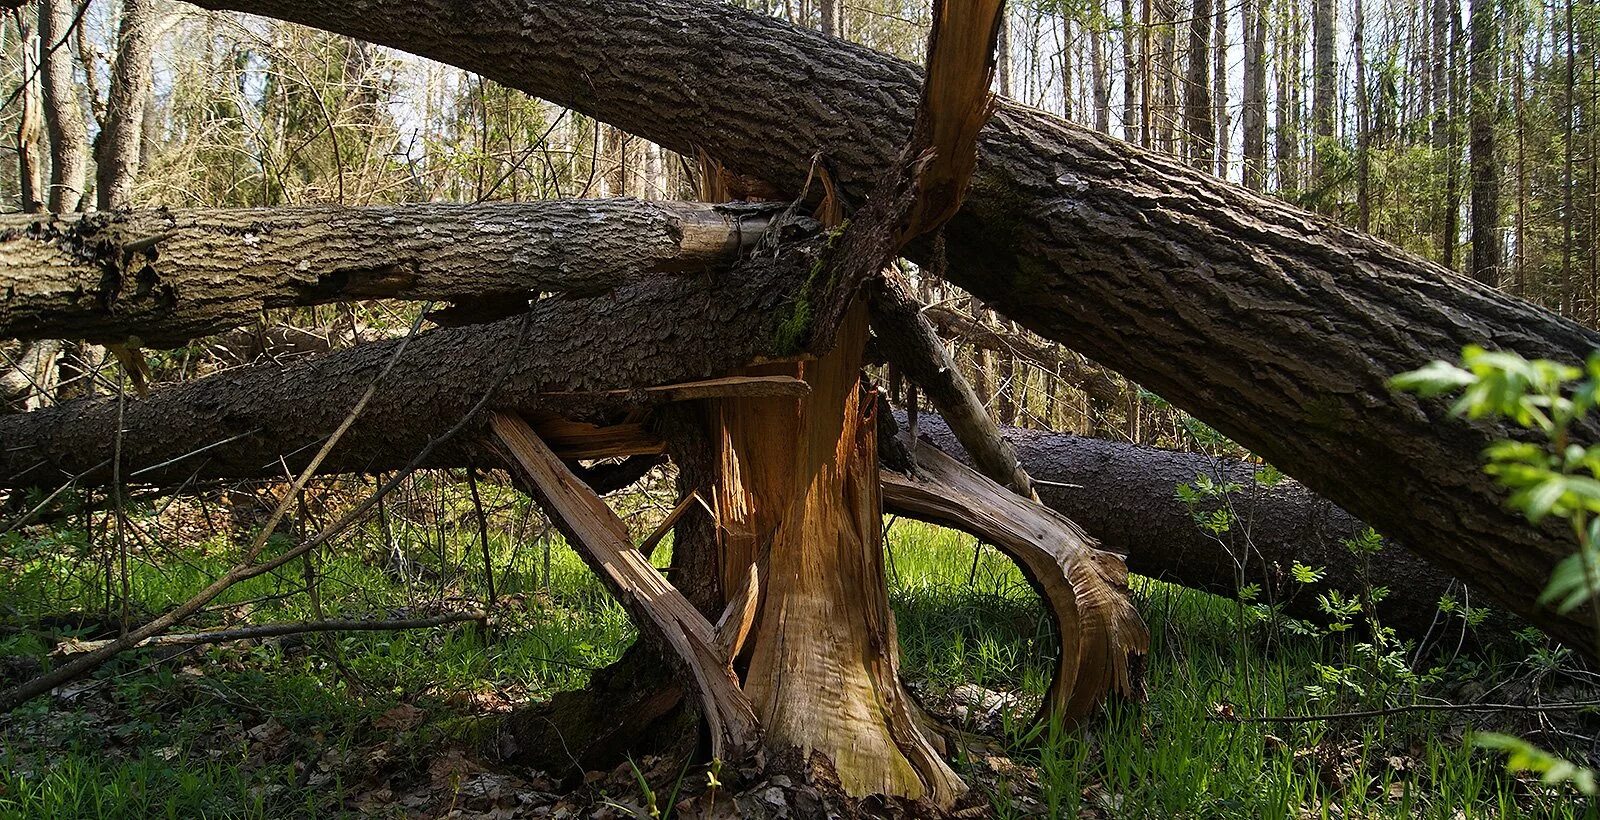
(1551, 475)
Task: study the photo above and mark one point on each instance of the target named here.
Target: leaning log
(1126, 495)
(1275, 326)
(164, 277)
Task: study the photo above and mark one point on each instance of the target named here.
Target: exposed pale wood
(648, 545)
(603, 540)
(164, 277)
(1084, 588)
(733, 626)
(797, 495)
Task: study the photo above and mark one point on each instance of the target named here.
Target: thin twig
(276, 630)
(1565, 706)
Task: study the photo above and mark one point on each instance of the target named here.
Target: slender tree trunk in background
(118, 147)
(1324, 102)
(1592, 245)
(1440, 106)
(1168, 72)
(1519, 67)
(1131, 72)
(1288, 102)
(1199, 129)
(1253, 22)
(830, 17)
(1002, 57)
(1100, 81)
(69, 136)
(1452, 178)
(1148, 92)
(1484, 104)
(1066, 66)
(30, 170)
(1363, 123)
(1219, 90)
(1569, 98)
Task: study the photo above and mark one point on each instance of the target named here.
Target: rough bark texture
(117, 148)
(30, 156)
(1125, 494)
(63, 114)
(239, 422)
(164, 277)
(1484, 111)
(1276, 327)
(907, 339)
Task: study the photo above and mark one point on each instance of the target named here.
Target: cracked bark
(1275, 326)
(164, 277)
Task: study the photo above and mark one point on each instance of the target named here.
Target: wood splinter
(656, 605)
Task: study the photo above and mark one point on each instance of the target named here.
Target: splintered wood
(1085, 589)
(603, 540)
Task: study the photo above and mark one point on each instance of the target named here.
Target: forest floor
(402, 723)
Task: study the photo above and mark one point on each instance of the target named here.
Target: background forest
(1465, 132)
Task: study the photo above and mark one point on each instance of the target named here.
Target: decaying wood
(1083, 587)
(604, 542)
(164, 277)
(1275, 326)
(906, 338)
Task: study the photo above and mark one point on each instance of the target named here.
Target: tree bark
(165, 277)
(562, 356)
(117, 148)
(1325, 82)
(1277, 328)
(1125, 495)
(30, 168)
(1100, 82)
(1484, 105)
(63, 112)
(1253, 22)
(1199, 127)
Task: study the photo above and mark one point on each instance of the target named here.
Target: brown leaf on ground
(400, 718)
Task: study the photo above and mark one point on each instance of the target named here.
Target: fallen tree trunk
(164, 277)
(1275, 326)
(1126, 496)
(566, 356)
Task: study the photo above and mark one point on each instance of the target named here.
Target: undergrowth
(296, 727)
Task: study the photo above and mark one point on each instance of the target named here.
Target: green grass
(183, 737)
